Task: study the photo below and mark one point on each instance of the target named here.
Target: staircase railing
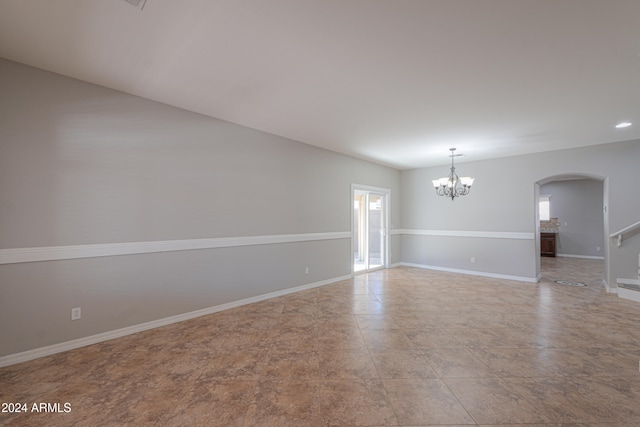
(620, 233)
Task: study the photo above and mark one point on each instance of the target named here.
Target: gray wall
(503, 200)
(578, 206)
(81, 164)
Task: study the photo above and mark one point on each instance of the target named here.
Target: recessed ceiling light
(623, 125)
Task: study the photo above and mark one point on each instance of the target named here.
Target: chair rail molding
(458, 233)
(55, 253)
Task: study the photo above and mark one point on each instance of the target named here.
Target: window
(544, 208)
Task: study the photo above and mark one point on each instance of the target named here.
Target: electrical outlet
(76, 313)
(473, 260)
(306, 270)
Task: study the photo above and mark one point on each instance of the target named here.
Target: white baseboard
(25, 356)
(579, 256)
(473, 273)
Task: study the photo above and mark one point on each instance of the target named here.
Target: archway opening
(578, 219)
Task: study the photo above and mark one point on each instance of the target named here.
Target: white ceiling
(396, 82)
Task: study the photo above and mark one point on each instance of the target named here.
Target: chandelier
(452, 185)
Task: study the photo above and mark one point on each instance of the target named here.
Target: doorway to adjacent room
(369, 228)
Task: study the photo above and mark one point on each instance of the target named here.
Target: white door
(369, 229)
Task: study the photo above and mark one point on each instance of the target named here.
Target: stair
(631, 292)
(630, 289)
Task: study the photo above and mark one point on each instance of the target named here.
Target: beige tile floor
(403, 346)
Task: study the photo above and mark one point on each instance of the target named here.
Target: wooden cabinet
(548, 244)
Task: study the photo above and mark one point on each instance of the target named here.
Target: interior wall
(84, 165)
(503, 201)
(577, 203)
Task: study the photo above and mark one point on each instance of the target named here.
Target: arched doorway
(567, 179)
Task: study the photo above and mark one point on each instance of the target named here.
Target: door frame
(387, 202)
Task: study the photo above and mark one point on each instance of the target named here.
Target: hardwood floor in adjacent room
(403, 346)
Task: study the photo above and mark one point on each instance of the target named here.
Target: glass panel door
(360, 258)
(376, 230)
(369, 230)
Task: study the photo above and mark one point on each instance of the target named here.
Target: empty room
(320, 213)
